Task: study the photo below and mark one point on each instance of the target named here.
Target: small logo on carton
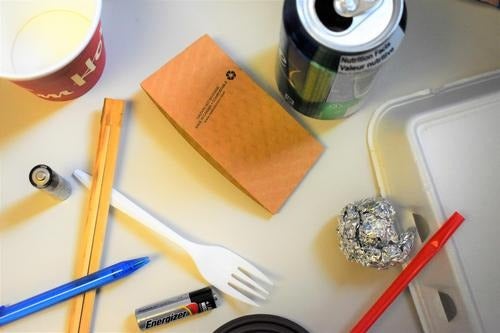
(231, 75)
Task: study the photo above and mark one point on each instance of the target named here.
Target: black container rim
(262, 323)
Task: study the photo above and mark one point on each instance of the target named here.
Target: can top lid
(350, 8)
(363, 32)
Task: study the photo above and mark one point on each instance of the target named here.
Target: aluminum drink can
(176, 308)
(44, 178)
(327, 62)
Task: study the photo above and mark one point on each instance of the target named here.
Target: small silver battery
(175, 308)
(46, 179)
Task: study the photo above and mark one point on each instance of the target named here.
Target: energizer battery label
(175, 308)
(373, 59)
(175, 314)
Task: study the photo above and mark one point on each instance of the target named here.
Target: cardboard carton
(233, 123)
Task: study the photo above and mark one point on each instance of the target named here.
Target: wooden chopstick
(94, 229)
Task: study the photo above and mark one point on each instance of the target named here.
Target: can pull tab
(350, 8)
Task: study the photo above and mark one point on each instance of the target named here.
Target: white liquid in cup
(41, 36)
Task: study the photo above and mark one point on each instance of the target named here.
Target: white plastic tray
(435, 152)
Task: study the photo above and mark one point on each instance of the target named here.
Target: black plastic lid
(261, 323)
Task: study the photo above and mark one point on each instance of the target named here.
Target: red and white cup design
(56, 51)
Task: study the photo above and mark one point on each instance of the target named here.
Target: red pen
(426, 253)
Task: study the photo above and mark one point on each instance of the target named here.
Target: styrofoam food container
(434, 152)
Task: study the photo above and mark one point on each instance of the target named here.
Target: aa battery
(46, 179)
(327, 62)
(176, 308)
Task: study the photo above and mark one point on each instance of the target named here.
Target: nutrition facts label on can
(372, 59)
(356, 72)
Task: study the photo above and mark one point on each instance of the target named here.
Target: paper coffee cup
(53, 48)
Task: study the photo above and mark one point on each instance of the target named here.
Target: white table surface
(446, 40)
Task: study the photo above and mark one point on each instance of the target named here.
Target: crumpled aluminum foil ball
(368, 236)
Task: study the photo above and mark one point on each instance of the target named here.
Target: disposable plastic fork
(221, 267)
(426, 253)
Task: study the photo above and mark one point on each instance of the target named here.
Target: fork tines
(248, 282)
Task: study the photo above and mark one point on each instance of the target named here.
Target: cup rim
(68, 59)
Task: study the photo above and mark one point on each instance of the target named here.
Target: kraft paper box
(233, 123)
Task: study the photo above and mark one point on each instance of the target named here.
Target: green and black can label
(327, 63)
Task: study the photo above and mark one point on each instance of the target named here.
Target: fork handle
(125, 205)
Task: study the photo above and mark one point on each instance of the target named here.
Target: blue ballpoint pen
(51, 297)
